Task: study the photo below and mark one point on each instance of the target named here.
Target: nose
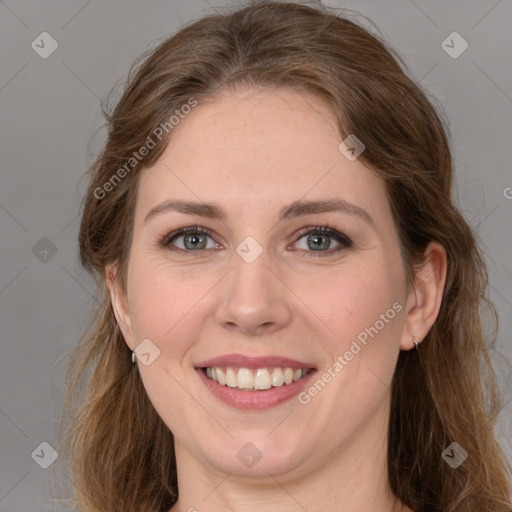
(255, 299)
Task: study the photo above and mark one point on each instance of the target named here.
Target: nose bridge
(254, 299)
(250, 278)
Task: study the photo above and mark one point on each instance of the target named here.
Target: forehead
(258, 149)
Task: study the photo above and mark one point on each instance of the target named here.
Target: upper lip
(239, 360)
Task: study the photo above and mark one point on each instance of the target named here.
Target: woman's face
(261, 293)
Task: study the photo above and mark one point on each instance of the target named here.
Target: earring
(416, 343)
(134, 357)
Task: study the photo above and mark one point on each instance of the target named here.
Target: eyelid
(343, 240)
(165, 241)
(325, 229)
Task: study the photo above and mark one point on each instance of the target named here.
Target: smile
(254, 383)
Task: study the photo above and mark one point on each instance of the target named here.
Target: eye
(320, 238)
(194, 238)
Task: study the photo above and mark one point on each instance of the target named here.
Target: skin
(252, 152)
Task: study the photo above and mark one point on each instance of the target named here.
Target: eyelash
(344, 241)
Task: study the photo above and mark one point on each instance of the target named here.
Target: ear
(119, 303)
(424, 300)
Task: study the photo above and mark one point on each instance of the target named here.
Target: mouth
(254, 383)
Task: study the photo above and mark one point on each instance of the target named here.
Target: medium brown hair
(121, 451)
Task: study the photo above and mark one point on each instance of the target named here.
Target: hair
(121, 451)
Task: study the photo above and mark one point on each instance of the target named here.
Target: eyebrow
(291, 211)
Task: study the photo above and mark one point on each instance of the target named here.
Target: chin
(258, 456)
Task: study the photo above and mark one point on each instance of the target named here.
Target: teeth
(231, 378)
(221, 377)
(262, 378)
(244, 378)
(277, 377)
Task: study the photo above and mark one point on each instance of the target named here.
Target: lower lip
(255, 400)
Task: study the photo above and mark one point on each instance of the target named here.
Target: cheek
(364, 311)
(355, 301)
(344, 301)
(165, 303)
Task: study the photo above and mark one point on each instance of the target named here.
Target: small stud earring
(416, 343)
(134, 357)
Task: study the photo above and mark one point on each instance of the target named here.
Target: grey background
(50, 118)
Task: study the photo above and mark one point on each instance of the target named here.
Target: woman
(292, 305)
